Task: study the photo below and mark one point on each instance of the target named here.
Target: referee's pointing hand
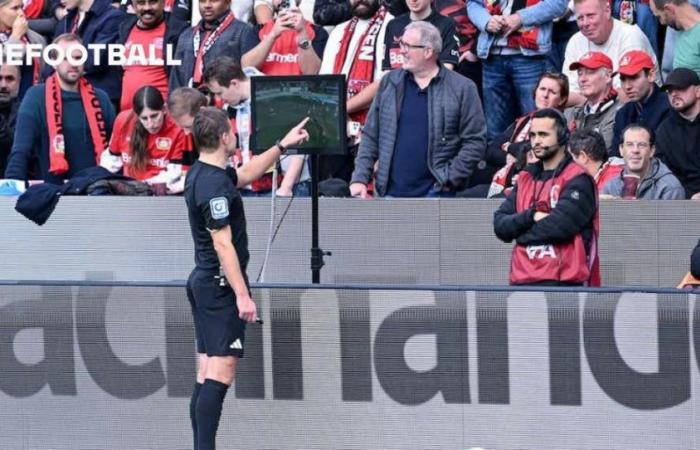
(296, 135)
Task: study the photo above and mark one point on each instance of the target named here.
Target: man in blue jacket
(95, 22)
(46, 145)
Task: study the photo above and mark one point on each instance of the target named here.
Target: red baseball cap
(593, 60)
(634, 62)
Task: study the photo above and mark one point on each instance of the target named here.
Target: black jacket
(573, 214)
(678, 146)
(8, 118)
(173, 28)
(38, 202)
(650, 113)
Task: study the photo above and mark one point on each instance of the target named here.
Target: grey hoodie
(658, 184)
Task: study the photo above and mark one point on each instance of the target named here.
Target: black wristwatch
(304, 44)
(279, 145)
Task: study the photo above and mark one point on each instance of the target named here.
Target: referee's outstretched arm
(256, 167)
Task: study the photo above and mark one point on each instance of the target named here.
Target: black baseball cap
(681, 78)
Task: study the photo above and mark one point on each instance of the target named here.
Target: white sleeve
(111, 162)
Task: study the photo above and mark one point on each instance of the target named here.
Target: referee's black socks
(193, 411)
(208, 412)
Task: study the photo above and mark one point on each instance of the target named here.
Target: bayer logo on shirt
(218, 207)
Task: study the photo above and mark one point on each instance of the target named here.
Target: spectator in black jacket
(95, 22)
(646, 103)
(150, 25)
(9, 88)
(695, 261)
(678, 136)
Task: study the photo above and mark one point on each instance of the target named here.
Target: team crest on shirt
(59, 144)
(163, 143)
(219, 208)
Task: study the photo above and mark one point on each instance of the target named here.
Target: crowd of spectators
(440, 93)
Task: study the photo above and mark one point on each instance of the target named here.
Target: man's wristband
(279, 145)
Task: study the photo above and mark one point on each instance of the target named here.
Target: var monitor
(278, 103)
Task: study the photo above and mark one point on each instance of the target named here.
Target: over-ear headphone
(562, 129)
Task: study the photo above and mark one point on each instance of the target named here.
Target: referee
(217, 288)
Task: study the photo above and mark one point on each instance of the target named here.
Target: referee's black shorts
(219, 330)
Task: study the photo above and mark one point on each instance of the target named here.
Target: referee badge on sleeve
(218, 207)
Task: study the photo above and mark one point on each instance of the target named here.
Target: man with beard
(685, 18)
(218, 288)
(60, 148)
(150, 26)
(9, 88)
(355, 48)
(218, 34)
(678, 136)
(551, 213)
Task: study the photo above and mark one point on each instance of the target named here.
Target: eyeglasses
(405, 46)
(629, 145)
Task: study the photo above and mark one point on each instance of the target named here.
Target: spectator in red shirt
(289, 45)
(150, 26)
(588, 149)
(147, 143)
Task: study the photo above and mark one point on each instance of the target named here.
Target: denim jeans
(509, 82)
(302, 189)
(438, 193)
(644, 19)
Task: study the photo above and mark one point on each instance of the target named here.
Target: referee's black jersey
(212, 203)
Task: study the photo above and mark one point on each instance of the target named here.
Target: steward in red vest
(551, 213)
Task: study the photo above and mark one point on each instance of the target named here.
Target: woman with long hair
(147, 143)
(510, 151)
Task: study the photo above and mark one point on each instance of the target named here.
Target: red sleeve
(179, 147)
(120, 131)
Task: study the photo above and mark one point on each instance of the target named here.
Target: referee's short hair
(208, 126)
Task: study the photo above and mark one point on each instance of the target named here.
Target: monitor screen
(278, 103)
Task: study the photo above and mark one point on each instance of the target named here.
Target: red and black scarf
(201, 45)
(522, 38)
(54, 120)
(33, 8)
(362, 69)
